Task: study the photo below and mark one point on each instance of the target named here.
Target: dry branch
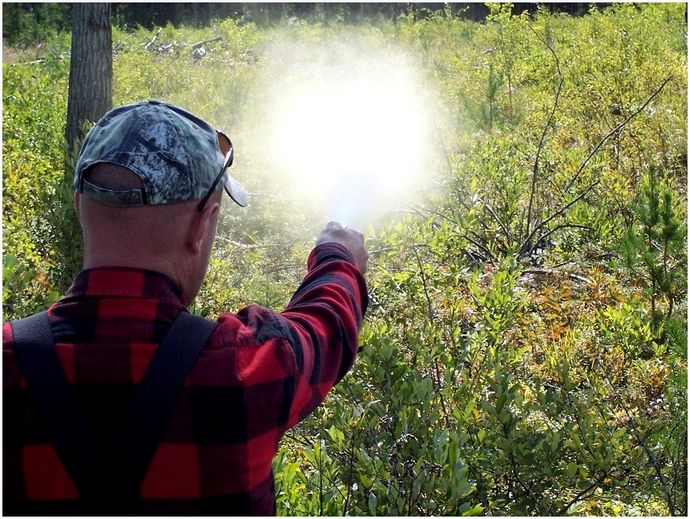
(582, 494)
(535, 168)
(524, 247)
(147, 46)
(553, 271)
(613, 132)
(204, 42)
(498, 220)
(489, 256)
(558, 228)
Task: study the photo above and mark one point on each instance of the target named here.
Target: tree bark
(91, 71)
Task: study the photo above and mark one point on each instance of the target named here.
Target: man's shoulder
(6, 331)
(248, 349)
(7, 336)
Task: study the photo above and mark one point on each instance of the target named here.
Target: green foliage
(27, 24)
(33, 198)
(525, 351)
(656, 242)
(390, 443)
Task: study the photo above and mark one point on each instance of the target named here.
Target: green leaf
(372, 501)
(475, 510)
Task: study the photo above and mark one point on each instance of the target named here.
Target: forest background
(525, 350)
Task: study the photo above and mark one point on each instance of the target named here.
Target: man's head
(177, 156)
(147, 190)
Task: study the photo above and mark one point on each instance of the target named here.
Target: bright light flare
(352, 138)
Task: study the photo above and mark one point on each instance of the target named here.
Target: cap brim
(236, 191)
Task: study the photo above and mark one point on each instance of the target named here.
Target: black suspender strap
(33, 342)
(119, 473)
(158, 392)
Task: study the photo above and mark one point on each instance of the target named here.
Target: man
(88, 432)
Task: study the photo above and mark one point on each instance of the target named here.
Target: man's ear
(199, 227)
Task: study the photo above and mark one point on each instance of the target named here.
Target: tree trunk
(89, 98)
(91, 71)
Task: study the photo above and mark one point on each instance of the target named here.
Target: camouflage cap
(177, 156)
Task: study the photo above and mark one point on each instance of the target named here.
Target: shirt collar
(125, 282)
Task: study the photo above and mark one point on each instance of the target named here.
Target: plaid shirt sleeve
(319, 330)
(324, 318)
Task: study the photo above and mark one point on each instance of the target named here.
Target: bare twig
(432, 318)
(554, 271)
(527, 243)
(320, 481)
(442, 216)
(200, 43)
(524, 247)
(513, 463)
(477, 244)
(349, 477)
(413, 502)
(653, 461)
(442, 142)
(558, 228)
(376, 252)
(147, 46)
(535, 167)
(498, 220)
(613, 132)
(474, 256)
(34, 62)
(430, 308)
(298, 440)
(584, 492)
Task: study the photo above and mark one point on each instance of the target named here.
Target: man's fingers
(351, 239)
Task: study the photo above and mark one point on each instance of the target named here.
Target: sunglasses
(228, 151)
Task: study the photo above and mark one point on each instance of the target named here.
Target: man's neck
(175, 270)
(115, 260)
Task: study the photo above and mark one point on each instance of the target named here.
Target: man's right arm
(295, 357)
(325, 316)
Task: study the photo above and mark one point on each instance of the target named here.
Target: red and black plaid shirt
(260, 373)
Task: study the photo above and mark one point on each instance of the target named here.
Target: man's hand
(348, 238)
